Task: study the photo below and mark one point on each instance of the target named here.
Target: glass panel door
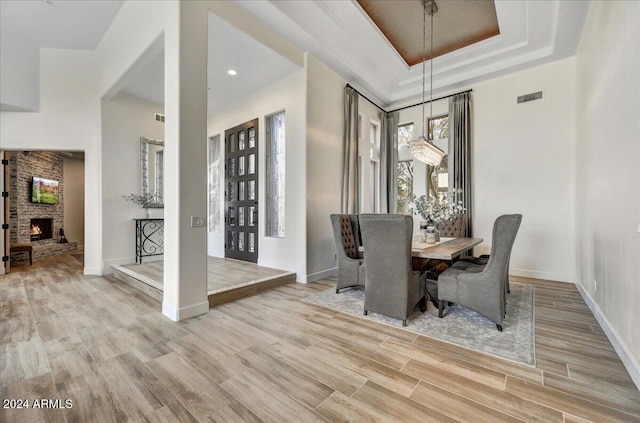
(241, 196)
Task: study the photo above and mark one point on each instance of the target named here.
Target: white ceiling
(148, 84)
(257, 65)
(229, 48)
(65, 24)
(339, 33)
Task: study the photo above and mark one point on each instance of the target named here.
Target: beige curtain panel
(460, 134)
(389, 162)
(350, 183)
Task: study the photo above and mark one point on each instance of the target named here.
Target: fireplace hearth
(41, 229)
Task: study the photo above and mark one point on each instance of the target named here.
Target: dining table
(446, 249)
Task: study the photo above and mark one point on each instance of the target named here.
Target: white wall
(68, 120)
(124, 120)
(325, 125)
(608, 172)
(524, 162)
(73, 170)
(19, 75)
(288, 94)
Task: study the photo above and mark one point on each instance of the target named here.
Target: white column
(185, 274)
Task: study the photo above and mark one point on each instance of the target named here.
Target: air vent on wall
(159, 117)
(530, 97)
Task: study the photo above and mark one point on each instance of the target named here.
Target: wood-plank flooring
(275, 358)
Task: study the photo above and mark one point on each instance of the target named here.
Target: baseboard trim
(92, 271)
(534, 274)
(184, 312)
(618, 344)
(316, 276)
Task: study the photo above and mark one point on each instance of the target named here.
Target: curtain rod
(365, 97)
(435, 99)
(405, 107)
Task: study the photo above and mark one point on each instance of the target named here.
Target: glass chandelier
(421, 148)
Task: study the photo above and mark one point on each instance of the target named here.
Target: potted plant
(143, 200)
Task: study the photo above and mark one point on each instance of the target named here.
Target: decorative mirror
(152, 170)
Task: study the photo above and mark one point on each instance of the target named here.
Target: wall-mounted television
(44, 191)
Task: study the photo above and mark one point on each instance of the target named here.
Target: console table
(149, 238)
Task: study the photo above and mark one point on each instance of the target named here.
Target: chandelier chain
(424, 59)
(421, 148)
(431, 67)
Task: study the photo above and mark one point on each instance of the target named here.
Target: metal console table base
(149, 238)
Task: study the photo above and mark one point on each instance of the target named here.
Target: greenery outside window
(276, 154)
(405, 186)
(214, 183)
(438, 127)
(405, 134)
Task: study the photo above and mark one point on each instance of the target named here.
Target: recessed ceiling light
(232, 72)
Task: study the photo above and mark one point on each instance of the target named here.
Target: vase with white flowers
(436, 209)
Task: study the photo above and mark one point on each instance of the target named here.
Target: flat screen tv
(44, 191)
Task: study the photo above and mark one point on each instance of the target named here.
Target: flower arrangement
(438, 208)
(144, 200)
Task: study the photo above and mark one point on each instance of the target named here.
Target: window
(374, 168)
(374, 134)
(275, 164)
(405, 134)
(369, 165)
(438, 127)
(374, 187)
(439, 130)
(405, 186)
(159, 176)
(405, 169)
(214, 183)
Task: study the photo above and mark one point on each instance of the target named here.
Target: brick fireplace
(34, 223)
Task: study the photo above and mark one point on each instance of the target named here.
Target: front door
(241, 192)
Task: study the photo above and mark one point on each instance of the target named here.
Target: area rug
(459, 326)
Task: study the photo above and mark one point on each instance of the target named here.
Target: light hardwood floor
(274, 358)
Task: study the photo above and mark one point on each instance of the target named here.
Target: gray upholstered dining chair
(392, 288)
(482, 287)
(346, 232)
(451, 227)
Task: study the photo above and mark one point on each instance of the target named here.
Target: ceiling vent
(159, 117)
(528, 97)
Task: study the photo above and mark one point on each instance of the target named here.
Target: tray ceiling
(456, 24)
